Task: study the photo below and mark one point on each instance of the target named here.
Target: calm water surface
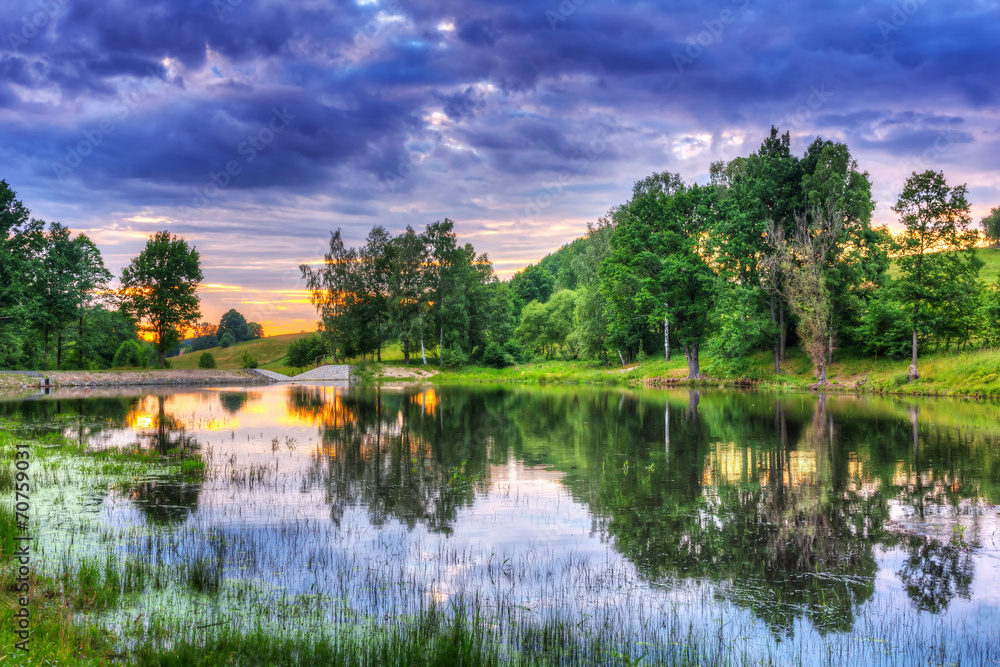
(782, 527)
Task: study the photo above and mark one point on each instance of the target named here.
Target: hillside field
(989, 272)
(270, 354)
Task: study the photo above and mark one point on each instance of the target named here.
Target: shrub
(247, 360)
(495, 357)
(514, 351)
(454, 357)
(131, 354)
(227, 340)
(207, 360)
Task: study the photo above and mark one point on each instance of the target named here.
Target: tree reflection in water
(781, 501)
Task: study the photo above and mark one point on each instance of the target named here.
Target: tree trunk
(914, 373)
(406, 350)
(783, 328)
(776, 345)
(59, 352)
(423, 352)
(829, 345)
(691, 354)
(821, 372)
(666, 335)
(378, 332)
(441, 348)
(622, 358)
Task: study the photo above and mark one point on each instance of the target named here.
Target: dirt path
(152, 377)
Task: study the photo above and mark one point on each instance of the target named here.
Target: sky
(253, 128)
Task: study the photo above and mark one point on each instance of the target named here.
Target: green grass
(269, 352)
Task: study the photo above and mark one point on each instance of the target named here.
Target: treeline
(776, 250)
(58, 310)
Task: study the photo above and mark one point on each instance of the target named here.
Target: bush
(247, 360)
(514, 351)
(495, 357)
(207, 360)
(130, 354)
(454, 357)
(227, 340)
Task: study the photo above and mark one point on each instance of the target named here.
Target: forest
(775, 251)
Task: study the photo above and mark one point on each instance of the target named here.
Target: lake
(699, 525)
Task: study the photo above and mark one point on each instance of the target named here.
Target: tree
(407, 300)
(91, 286)
(991, 226)
(532, 283)
(937, 249)
(234, 323)
(377, 258)
(333, 291)
(256, 330)
(836, 213)
(158, 289)
(53, 288)
(19, 243)
(206, 360)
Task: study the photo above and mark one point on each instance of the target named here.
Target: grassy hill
(270, 354)
(989, 272)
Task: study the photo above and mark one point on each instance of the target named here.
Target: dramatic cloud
(254, 127)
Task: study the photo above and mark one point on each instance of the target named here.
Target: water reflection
(792, 508)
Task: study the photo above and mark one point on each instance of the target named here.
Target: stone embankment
(151, 378)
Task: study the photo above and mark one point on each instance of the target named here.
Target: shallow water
(780, 527)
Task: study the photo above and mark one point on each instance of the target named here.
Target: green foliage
(453, 357)
(130, 354)
(940, 288)
(989, 315)
(302, 353)
(256, 330)
(227, 340)
(884, 329)
(235, 324)
(206, 360)
(495, 357)
(158, 289)
(247, 360)
(991, 226)
(532, 283)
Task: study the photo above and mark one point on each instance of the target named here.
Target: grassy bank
(969, 374)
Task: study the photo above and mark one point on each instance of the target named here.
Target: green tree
(20, 239)
(130, 354)
(91, 288)
(532, 283)
(991, 226)
(376, 270)
(256, 330)
(836, 212)
(53, 287)
(333, 290)
(407, 299)
(937, 249)
(234, 323)
(158, 289)
(206, 360)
